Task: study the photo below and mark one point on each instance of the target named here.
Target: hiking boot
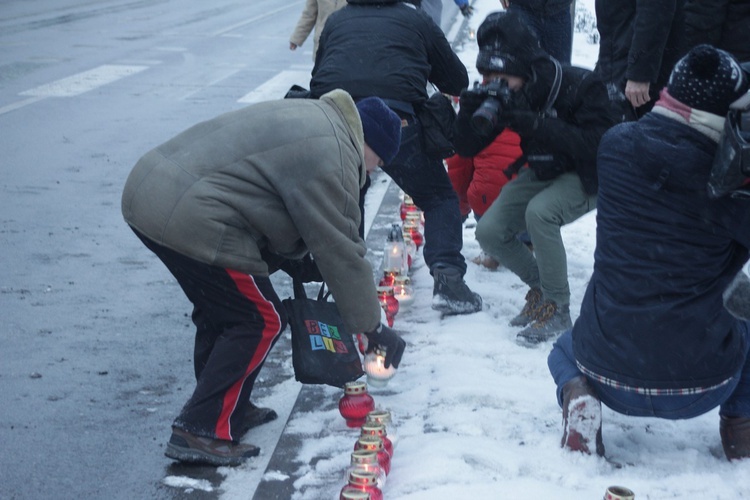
(487, 261)
(582, 418)
(187, 447)
(551, 320)
(255, 416)
(735, 437)
(528, 313)
(450, 294)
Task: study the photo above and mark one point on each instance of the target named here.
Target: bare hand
(292, 46)
(637, 93)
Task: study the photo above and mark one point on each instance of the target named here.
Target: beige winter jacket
(283, 175)
(314, 15)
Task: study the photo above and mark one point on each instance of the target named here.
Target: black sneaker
(255, 416)
(450, 294)
(187, 447)
(528, 313)
(551, 320)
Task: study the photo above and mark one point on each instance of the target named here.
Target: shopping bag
(323, 351)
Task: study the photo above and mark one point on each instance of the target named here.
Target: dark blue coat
(653, 314)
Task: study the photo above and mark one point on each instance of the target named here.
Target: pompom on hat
(507, 45)
(708, 79)
(382, 127)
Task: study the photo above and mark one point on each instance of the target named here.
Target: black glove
(387, 339)
(525, 123)
(467, 10)
(470, 101)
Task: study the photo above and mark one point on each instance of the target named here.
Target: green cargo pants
(541, 208)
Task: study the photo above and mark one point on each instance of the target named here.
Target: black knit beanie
(382, 127)
(507, 45)
(708, 79)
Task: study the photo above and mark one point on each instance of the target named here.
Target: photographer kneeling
(560, 113)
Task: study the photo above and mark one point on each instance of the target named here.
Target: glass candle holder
(403, 291)
(361, 481)
(374, 365)
(412, 229)
(389, 277)
(388, 302)
(356, 403)
(366, 460)
(376, 429)
(386, 419)
(618, 493)
(374, 443)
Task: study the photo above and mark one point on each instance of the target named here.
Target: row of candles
(370, 461)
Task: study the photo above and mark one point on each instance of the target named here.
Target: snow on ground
(477, 415)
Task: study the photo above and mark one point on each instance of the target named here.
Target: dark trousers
(427, 182)
(238, 318)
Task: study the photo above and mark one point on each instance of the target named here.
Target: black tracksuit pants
(238, 318)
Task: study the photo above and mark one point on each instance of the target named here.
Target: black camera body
(497, 96)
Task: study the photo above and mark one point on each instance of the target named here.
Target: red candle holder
(361, 481)
(374, 443)
(375, 429)
(412, 229)
(356, 403)
(389, 277)
(384, 418)
(367, 461)
(388, 302)
(407, 206)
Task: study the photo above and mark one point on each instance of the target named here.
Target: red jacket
(479, 179)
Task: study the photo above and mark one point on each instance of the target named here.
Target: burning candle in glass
(356, 403)
(411, 250)
(415, 217)
(376, 429)
(374, 364)
(388, 302)
(403, 291)
(407, 206)
(385, 418)
(389, 277)
(361, 481)
(366, 460)
(394, 253)
(374, 443)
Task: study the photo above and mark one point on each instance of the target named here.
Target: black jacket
(583, 111)
(652, 315)
(385, 49)
(642, 48)
(543, 7)
(722, 23)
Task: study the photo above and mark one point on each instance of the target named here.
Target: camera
(497, 95)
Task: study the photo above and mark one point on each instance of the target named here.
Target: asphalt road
(96, 340)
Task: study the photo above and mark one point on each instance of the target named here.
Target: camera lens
(484, 119)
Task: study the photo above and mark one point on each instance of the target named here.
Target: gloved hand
(525, 123)
(387, 339)
(467, 10)
(469, 101)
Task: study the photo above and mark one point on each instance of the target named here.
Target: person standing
(640, 41)
(552, 22)
(724, 24)
(314, 15)
(392, 50)
(654, 338)
(560, 113)
(223, 205)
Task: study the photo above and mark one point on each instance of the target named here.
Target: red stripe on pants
(272, 325)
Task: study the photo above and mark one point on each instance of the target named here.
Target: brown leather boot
(735, 437)
(582, 418)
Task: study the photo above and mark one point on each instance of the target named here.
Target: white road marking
(276, 87)
(84, 82)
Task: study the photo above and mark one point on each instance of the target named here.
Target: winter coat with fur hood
(281, 176)
(652, 316)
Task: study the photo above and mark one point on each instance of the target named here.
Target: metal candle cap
(618, 493)
(356, 387)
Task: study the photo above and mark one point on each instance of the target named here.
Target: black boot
(450, 294)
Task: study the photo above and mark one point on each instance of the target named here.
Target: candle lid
(380, 416)
(373, 429)
(355, 387)
(385, 290)
(363, 456)
(363, 478)
(371, 443)
(348, 494)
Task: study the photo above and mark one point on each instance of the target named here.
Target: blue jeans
(427, 182)
(733, 397)
(555, 32)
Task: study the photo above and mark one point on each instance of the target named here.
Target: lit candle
(366, 460)
(374, 364)
(388, 302)
(356, 403)
(403, 291)
(361, 481)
